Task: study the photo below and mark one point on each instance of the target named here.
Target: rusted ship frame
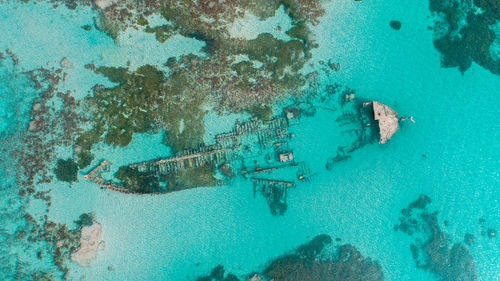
(267, 188)
(190, 159)
(103, 166)
(94, 175)
(259, 170)
(226, 149)
(279, 183)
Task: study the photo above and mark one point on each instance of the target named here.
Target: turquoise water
(182, 235)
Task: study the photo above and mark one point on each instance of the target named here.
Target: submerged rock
(218, 274)
(349, 265)
(432, 248)
(66, 170)
(395, 24)
(464, 35)
(90, 243)
(256, 277)
(310, 262)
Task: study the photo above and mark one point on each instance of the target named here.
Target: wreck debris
(260, 170)
(275, 192)
(94, 173)
(227, 170)
(304, 173)
(190, 159)
(286, 157)
(292, 112)
(341, 156)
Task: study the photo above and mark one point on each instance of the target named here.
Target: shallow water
(182, 235)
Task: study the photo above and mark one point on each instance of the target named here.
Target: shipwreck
(387, 119)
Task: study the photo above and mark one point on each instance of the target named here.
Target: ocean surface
(451, 152)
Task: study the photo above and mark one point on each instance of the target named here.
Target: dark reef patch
(84, 159)
(395, 24)
(468, 239)
(218, 274)
(162, 33)
(433, 249)
(114, 74)
(85, 219)
(348, 264)
(310, 262)
(66, 170)
(86, 27)
(146, 101)
(466, 35)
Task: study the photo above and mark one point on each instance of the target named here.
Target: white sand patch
(90, 244)
(250, 26)
(103, 4)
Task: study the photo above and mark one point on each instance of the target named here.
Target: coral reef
(310, 262)
(147, 100)
(56, 120)
(144, 102)
(432, 249)
(85, 219)
(239, 84)
(467, 35)
(66, 170)
(53, 240)
(162, 33)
